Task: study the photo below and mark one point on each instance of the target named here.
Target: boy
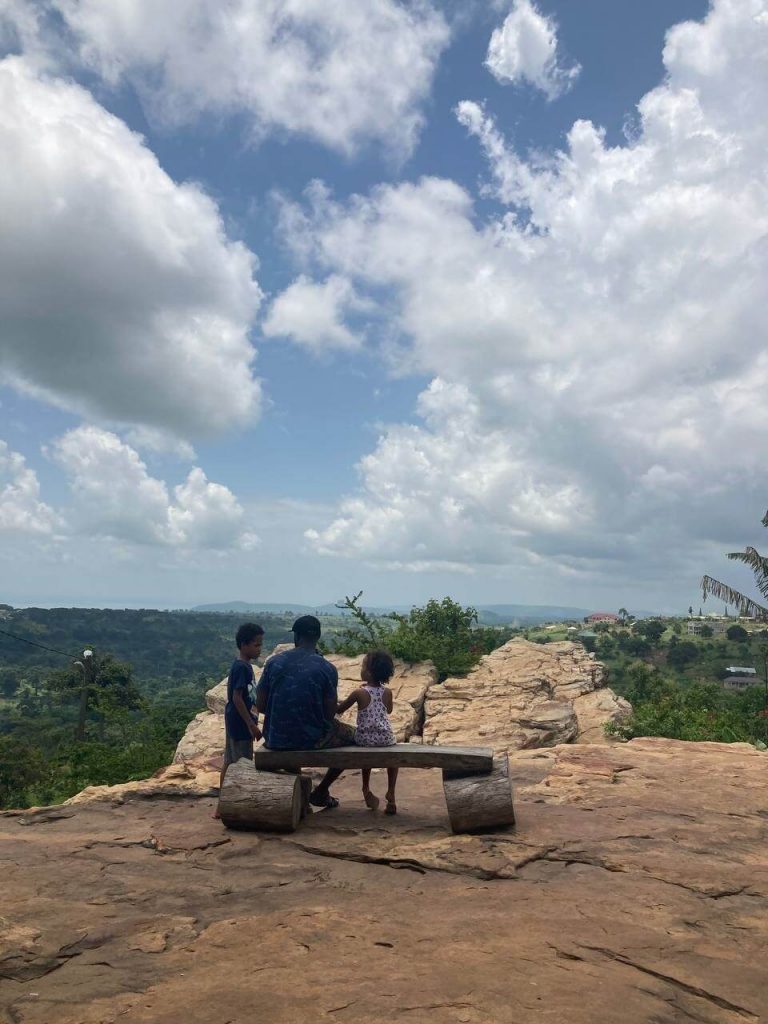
(241, 727)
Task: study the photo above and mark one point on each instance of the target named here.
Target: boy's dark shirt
(240, 678)
(295, 688)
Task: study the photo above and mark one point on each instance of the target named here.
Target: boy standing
(240, 725)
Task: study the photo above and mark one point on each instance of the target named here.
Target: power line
(43, 647)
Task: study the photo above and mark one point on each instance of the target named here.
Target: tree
(623, 614)
(442, 632)
(682, 655)
(752, 558)
(707, 632)
(690, 611)
(101, 685)
(652, 629)
(737, 634)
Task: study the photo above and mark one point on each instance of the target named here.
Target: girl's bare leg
(370, 800)
(391, 784)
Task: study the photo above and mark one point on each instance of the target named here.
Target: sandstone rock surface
(634, 889)
(204, 736)
(525, 695)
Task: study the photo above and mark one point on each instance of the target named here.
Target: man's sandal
(327, 802)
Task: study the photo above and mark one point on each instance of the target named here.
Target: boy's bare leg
(391, 784)
(223, 772)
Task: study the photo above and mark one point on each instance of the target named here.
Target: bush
(737, 634)
(682, 655)
(442, 632)
(700, 712)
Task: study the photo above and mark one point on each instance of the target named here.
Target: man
(298, 694)
(240, 726)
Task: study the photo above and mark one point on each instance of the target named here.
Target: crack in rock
(693, 990)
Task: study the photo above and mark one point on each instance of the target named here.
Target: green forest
(61, 731)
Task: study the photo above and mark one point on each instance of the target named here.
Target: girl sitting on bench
(374, 705)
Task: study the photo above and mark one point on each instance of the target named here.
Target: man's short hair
(247, 633)
(307, 627)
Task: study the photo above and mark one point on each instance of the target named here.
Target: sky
(300, 299)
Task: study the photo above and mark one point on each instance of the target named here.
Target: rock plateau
(633, 889)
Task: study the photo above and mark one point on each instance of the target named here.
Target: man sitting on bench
(298, 694)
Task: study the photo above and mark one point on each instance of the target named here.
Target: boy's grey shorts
(235, 749)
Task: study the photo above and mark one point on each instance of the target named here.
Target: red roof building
(603, 617)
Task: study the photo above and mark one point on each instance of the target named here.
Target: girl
(374, 704)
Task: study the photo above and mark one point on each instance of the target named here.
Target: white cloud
(116, 497)
(312, 314)
(525, 49)
(120, 296)
(342, 73)
(21, 510)
(160, 442)
(598, 348)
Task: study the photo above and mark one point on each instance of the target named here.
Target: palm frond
(765, 519)
(756, 563)
(723, 592)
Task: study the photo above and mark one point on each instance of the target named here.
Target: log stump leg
(479, 803)
(305, 781)
(265, 801)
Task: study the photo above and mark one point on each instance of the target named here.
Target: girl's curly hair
(380, 666)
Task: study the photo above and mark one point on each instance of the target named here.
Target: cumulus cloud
(312, 314)
(116, 497)
(597, 348)
(343, 73)
(120, 295)
(21, 510)
(525, 49)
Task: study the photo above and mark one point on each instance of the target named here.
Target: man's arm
(331, 694)
(262, 691)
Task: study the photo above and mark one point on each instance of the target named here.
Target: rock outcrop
(204, 737)
(634, 888)
(525, 695)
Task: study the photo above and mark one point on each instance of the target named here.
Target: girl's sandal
(391, 807)
(371, 801)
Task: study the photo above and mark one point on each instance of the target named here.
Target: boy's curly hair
(380, 666)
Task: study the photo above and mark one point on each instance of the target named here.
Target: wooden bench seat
(453, 760)
(270, 794)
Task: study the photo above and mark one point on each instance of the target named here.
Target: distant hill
(490, 614)
(526, 614)
(245, 607)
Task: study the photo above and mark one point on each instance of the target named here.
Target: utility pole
(87, 667)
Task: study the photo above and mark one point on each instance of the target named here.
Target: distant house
(738, 682)
(739, 677)
(695, 626)
(603, 617)
(587, 634)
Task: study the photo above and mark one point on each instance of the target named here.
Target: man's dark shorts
(235, 749)
(339, 735)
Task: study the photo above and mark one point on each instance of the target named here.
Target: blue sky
(421, 299)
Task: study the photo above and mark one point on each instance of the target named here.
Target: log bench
(270, 794)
